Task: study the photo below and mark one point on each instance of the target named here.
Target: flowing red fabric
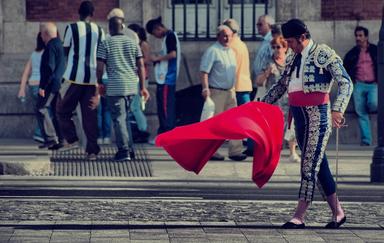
(192, 146)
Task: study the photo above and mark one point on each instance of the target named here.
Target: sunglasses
(276, 47)
(259, 24)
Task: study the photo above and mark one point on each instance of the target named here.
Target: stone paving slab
(204, 234)
(102, 233)
(68, 213)
(188, 240)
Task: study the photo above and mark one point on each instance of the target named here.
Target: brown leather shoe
(218, 157)
(239, 157)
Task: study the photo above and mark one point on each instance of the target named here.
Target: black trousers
(69, 97)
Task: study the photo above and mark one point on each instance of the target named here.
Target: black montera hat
(294, 28)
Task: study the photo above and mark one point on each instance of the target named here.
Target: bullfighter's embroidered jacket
(322, 67)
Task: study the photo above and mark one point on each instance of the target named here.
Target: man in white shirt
(81, 40)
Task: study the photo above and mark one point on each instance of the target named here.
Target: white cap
(116, 12)
(232, 23)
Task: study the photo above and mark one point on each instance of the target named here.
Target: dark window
(190, 1)
(246, 1)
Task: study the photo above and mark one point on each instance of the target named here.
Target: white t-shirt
(296, 84)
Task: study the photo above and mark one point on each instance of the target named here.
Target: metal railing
(214, 12)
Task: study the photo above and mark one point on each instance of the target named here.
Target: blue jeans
(365, 101)
(34, 89)
(242, 98)
(104, 118)
(119, 106)
(138, 113)
(166, 107)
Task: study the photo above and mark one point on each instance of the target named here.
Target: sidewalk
(209, 230)
(221, 204)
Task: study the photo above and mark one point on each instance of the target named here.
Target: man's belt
(366, 82)
(219, 88)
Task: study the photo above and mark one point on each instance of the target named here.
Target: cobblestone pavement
(65, 220)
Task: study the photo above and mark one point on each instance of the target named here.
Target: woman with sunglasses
(268, 78)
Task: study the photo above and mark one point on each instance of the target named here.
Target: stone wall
(65, 10)
(352, 9)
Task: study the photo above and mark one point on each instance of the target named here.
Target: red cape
(193, 145)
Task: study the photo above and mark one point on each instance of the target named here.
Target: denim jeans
(365, 101)
(119, 106)
(138, 113)
(104, 118)
(242, 98)
(34, 89)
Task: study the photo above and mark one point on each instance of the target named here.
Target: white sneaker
(99, 141)
(152, 141)
(91, 157)
(294, 158)
(70, 146)
(107, 141)
(38, 138)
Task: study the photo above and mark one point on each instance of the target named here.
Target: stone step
(75, 163)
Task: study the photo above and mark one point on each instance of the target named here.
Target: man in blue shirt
(218, 75)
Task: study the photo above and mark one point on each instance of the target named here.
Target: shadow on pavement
(168, 225)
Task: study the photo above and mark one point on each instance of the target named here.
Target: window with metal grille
(198, 19)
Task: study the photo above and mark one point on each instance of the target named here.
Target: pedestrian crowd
(64, 79)
(95, 78)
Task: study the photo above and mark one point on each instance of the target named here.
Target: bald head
(48, 31)
(115, 25)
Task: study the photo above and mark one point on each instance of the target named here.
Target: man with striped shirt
(81, 40)
(125, 68)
